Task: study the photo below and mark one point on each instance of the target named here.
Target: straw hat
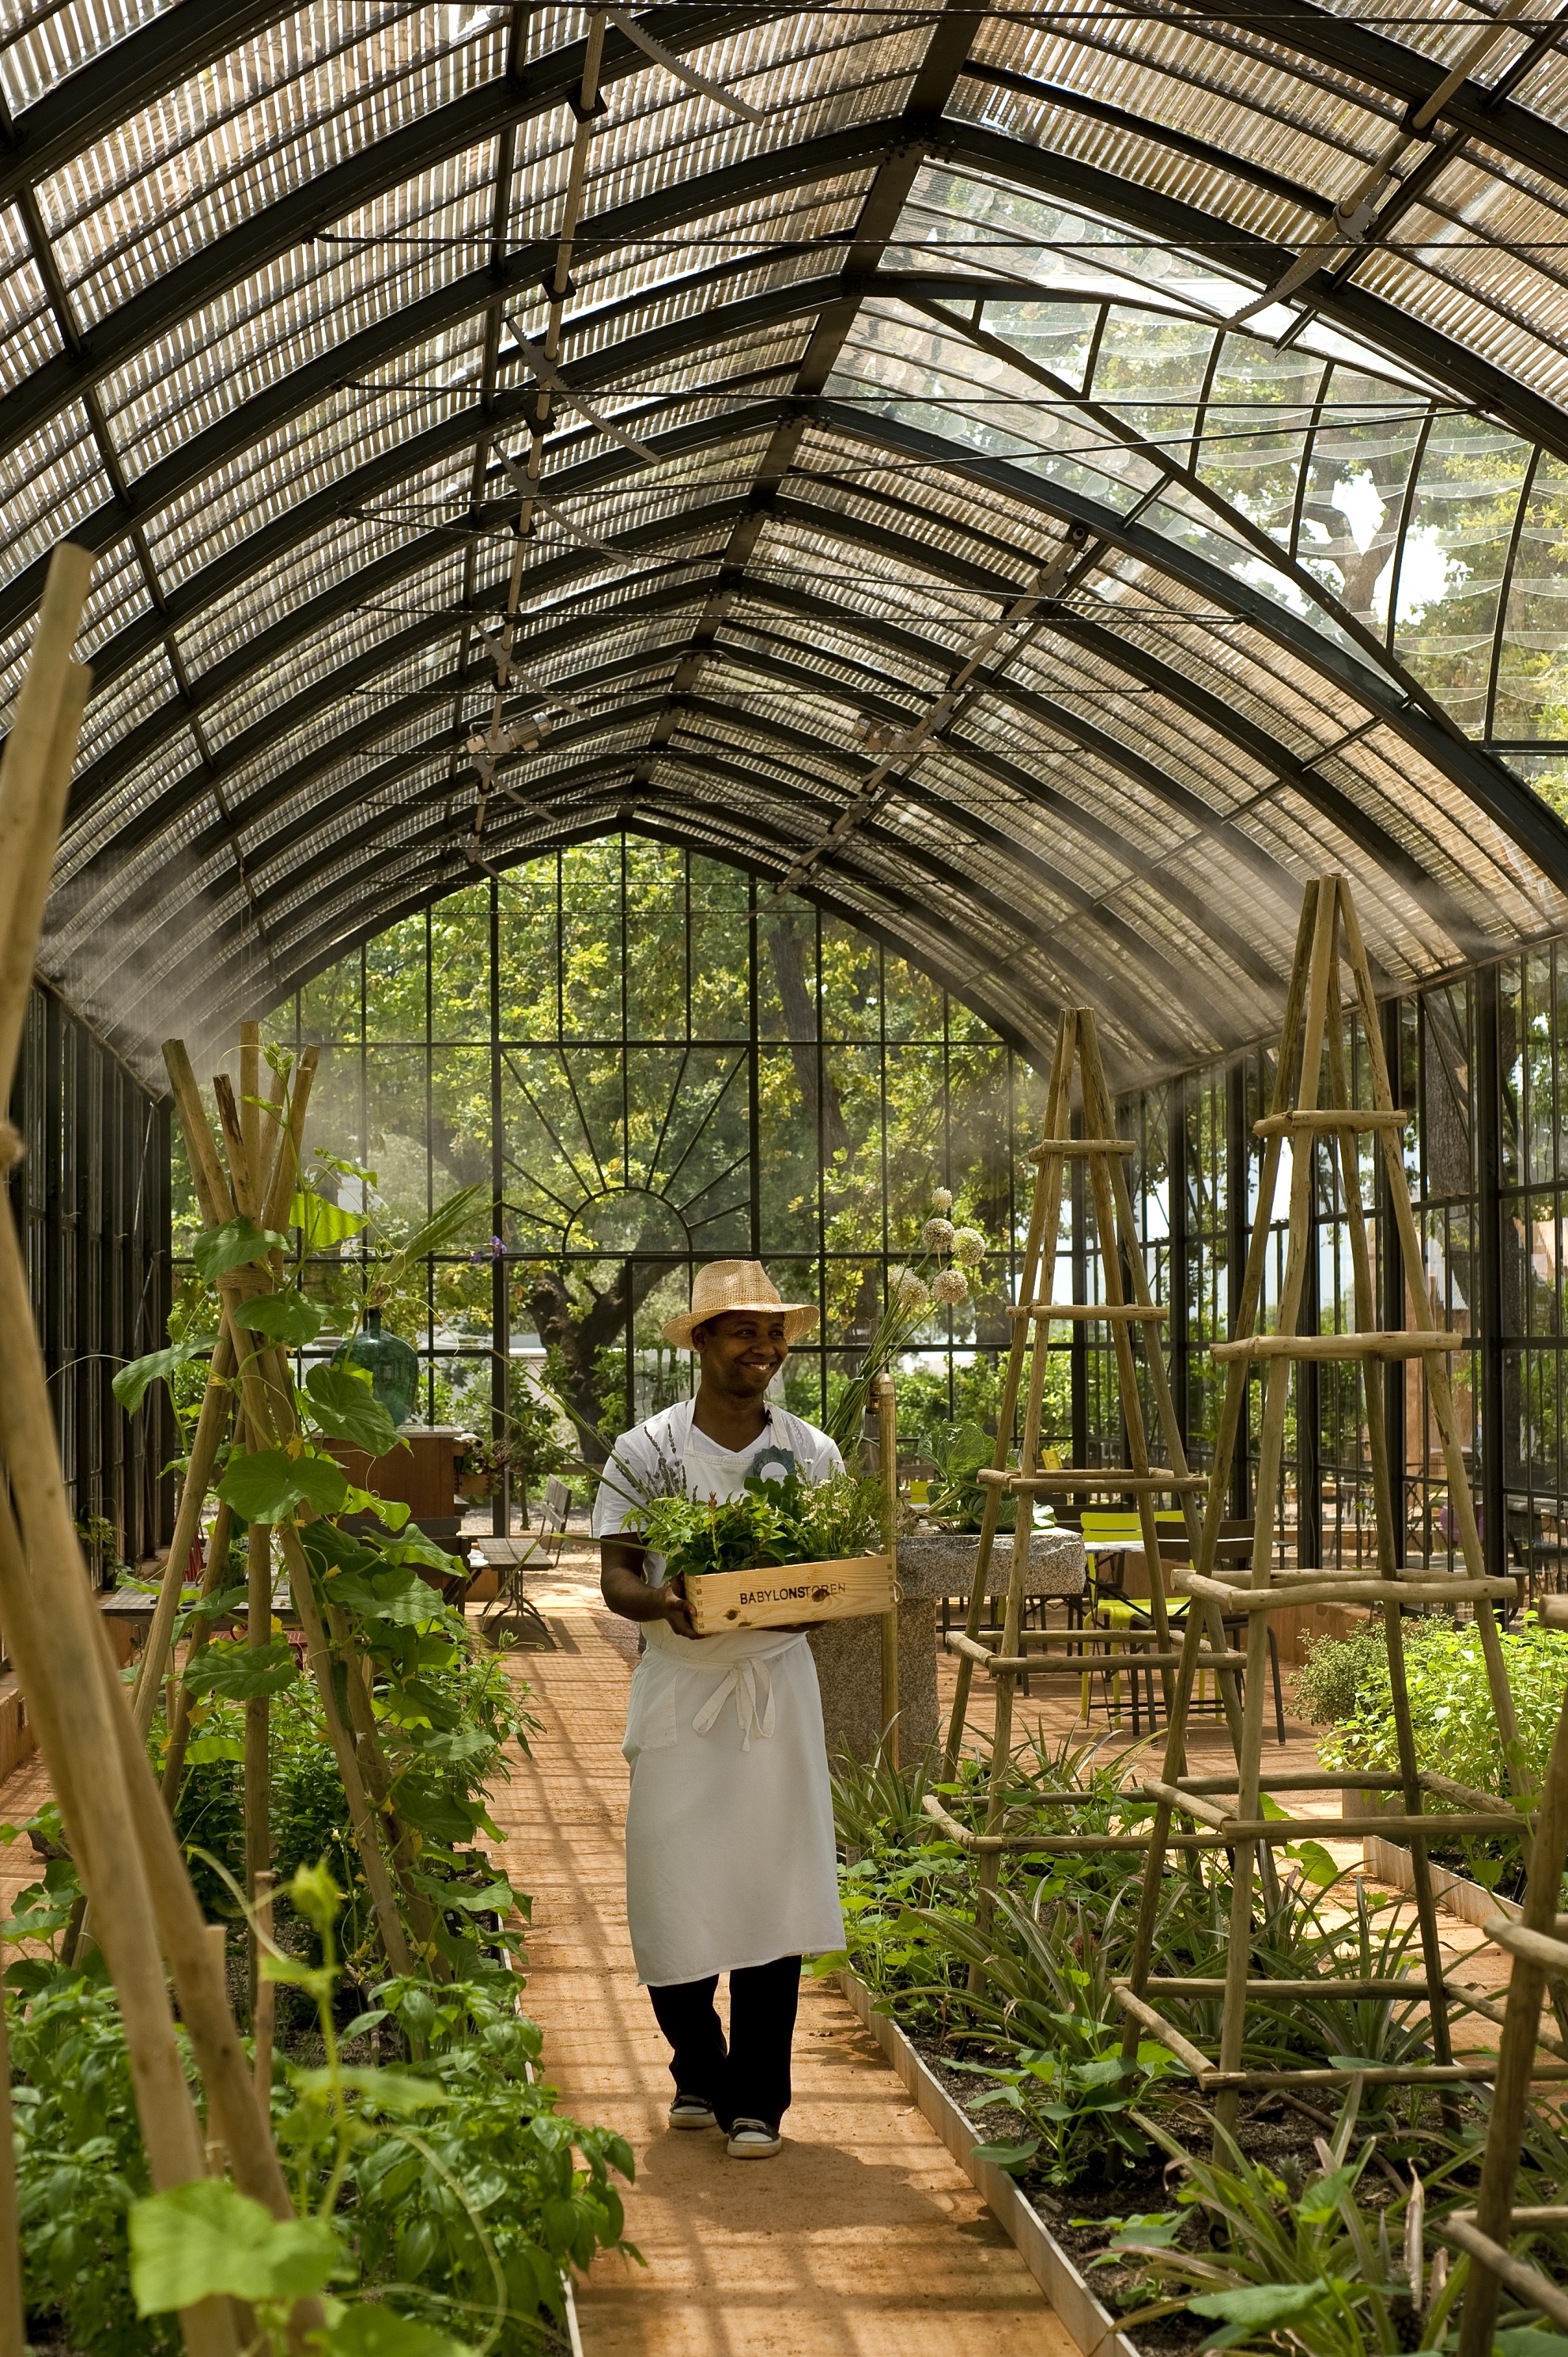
(736, 1285)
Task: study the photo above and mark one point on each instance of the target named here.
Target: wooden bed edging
(1091, 2325)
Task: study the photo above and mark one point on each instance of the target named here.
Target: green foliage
(286, 1317)
(239, 1673)
(321, 1224)
(773, 1521)
(132, 1382)
(1451, 1710)
(266, 1485)
(218, 1252)
(344, 1404)
(958, 1501)
(451, 2187)
(1309, 2266)
(205, 2239)
(79, 2161)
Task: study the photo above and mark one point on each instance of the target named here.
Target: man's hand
(623, 1584)
(677, 1611)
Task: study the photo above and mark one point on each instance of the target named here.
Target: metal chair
(513, 1611)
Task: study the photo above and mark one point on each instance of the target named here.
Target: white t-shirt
(667, 1453)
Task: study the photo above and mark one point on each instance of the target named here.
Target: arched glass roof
(1038, 479)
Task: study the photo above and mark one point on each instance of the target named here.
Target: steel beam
(1067, 810)
(1186, 694)
(291, 219)
(1127, 949)
(1401, 74)
(1381, 325)
(85, 106)
(1520, 813)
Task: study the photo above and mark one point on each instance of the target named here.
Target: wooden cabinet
(422, 1473)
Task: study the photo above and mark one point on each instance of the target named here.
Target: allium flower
(968, 1247)
(949, 1286)
(909, 1290)
(942, 1198)
(937, 1235)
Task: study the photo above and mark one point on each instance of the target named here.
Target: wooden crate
(783, 1595)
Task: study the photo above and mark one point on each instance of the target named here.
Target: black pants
(751, 2082)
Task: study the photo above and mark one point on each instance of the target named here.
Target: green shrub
(1455, 1727)
(1340, 1673)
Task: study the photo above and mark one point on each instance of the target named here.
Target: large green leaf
(286, 1317)
(130, 1385)
(373, 2331)
(202, 2239)
(1258, 2306)
(392, 1592)
(322, 1223)
(267, 1486)
(241, 1675)
(344, 1404)
(216, 1251)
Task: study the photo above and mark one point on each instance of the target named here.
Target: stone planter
(941, 1563)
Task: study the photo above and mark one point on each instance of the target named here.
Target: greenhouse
(784, 1004)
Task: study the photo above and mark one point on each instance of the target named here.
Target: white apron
(729, 1830)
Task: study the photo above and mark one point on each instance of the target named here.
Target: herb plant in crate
(784, 1552)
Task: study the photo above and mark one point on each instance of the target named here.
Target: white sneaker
(692, 2111)
(753, 2140)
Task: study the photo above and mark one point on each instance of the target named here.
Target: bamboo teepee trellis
(268, 1420)
(1538, 1945)
(1312, 1039)
(142, 1905)
(1020, 1652)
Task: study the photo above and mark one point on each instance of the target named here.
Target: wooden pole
(1516, 2051)
(35, 778)
(13, 2324)
(211, 1429)
(263, 2020)
(56, 1649)
(888, 1454)
(1439, 1388)
(1044, 1216)
(179, 1726)
(258, 1736)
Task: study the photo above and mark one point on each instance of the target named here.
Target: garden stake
(371, 1856)
(378, 1785)
(211, 1430)
(258, 1730)
(179, 1727)
(1312, 1033)
(268, 1407)
(1540, 1955)
(1101, 1149)
(888, 1459)
(264, 2019)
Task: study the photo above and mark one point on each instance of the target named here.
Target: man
(730, 1862)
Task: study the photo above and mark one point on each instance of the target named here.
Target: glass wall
(640, 1063)
(636, 1061)
(90, 1195)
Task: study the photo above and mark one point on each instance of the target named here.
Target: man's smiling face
(742, 1350)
